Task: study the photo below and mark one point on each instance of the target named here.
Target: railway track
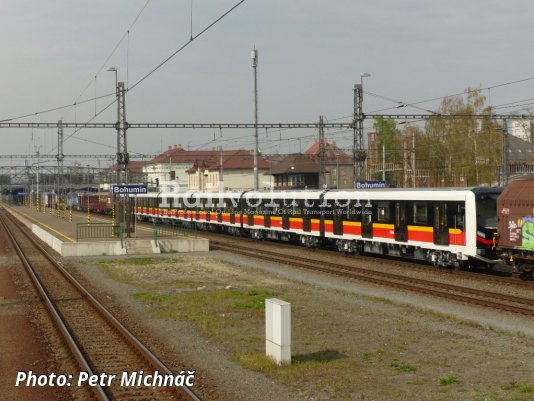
(101, 345)
(490, 299)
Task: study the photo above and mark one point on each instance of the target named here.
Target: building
(520, 156)
(168, 171)
(108, 177)
(521, 129)
(232, 170)
(301, 171)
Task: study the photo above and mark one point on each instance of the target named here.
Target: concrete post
(278, 330)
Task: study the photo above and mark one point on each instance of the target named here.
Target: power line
(125, 35)
(411, 104)
(186, 44)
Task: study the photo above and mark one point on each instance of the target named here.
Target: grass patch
(150, 298)
(258, 362)
(255, 300)
(144, 261)
(219, 312)
(447, 380)
(519, 391)
(402, 366)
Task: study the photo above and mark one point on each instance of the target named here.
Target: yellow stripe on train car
(386, 226)
(352, 223)
(421, 228)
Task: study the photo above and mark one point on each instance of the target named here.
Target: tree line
(447, 152)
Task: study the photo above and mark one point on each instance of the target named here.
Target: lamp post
(254, 57)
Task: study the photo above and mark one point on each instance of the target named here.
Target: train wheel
(525, 274)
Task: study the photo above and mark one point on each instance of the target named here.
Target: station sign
(371, 184)
(129, 189)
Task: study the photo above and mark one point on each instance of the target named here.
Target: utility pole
(254, 56)
(358, 153)
(414, 184)
(321, 153)
(505, 161)
(221, 171)
(123, 157)
(60, 156)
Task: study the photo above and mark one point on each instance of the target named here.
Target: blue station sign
(129, 189)
(370, 184)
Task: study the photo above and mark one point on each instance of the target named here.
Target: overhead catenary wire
(181, 48)
(208, 27)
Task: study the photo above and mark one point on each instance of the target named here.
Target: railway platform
(82, 234)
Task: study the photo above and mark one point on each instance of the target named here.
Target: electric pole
(122, 151)
(254, 56)
(321, 153)
(358, 153)
(60, 156)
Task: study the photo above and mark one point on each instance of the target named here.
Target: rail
(78, 350)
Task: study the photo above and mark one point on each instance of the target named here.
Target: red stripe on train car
(383, 232)
(276, 222)
(295, 224)
(352, 229)
(457, 239)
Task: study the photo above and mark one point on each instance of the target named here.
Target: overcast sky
(311, 53)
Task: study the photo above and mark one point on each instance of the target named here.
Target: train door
(250, 216)
(307, 207)
(285, 216)
(401, 228)
(220, 209)
(441, 226)
(266, 213)
(338, 219)
(367, 220)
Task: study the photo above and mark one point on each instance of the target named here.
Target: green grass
(255, 300)
(519, 391)
(447, 380)
(402, 366)
(213, 311)
(150, 298)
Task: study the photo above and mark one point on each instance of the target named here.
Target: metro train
(446, 227)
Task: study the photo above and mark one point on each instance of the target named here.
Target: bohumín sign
(129, 189)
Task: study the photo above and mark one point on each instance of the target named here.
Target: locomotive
(515, 211)
(446, 227)
(96, 202)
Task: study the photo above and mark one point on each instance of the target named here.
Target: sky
(311, 53)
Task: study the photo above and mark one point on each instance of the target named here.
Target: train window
(383, 212)
(420, 213)
(458, 215)
(486, 209)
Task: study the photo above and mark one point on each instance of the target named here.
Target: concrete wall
(179, 245)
